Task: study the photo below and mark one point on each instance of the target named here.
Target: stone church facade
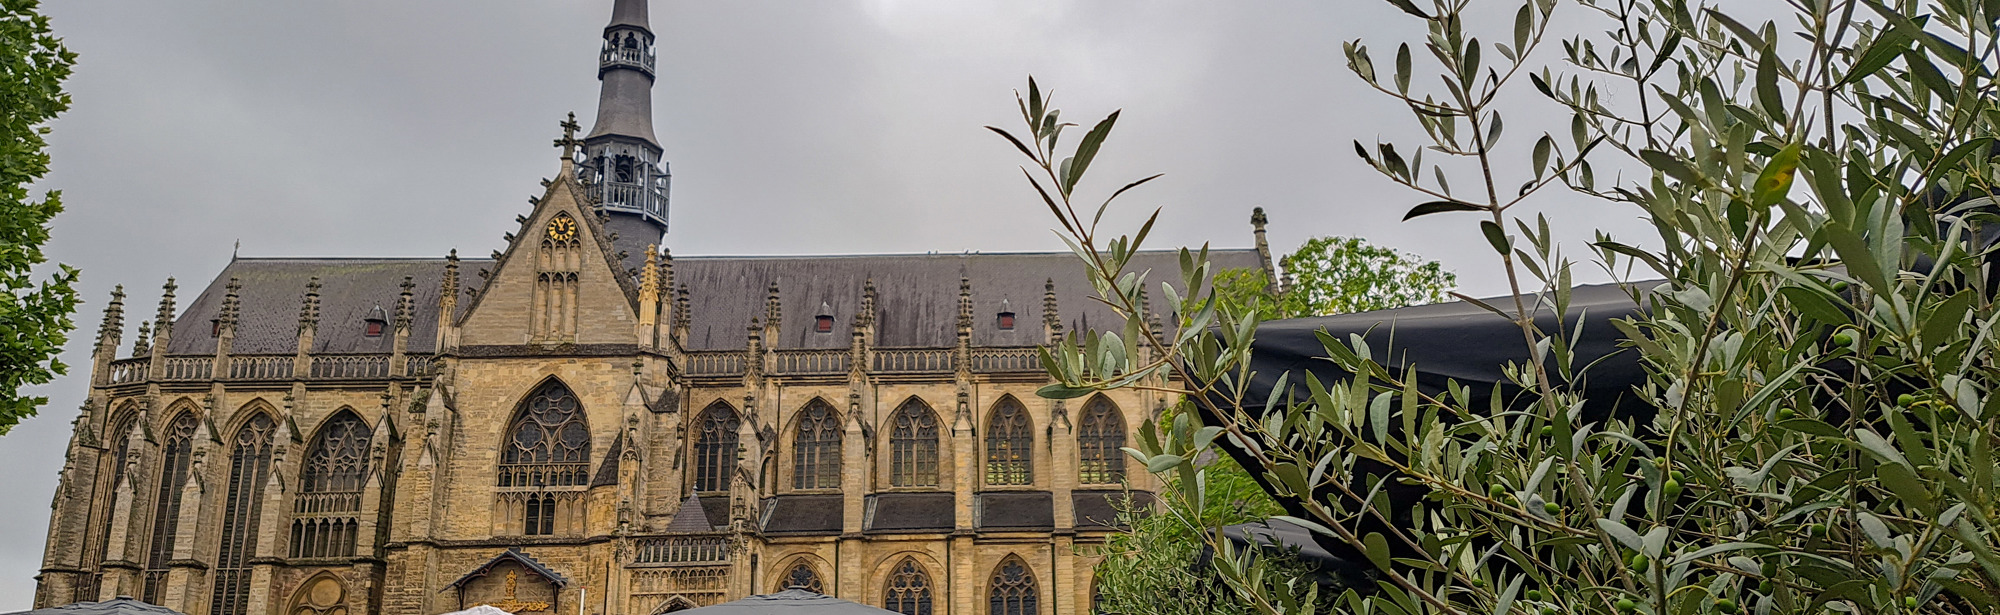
(586, 424)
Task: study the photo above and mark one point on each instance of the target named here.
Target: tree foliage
(1821, 358)
(1337, 275)
(34, 316)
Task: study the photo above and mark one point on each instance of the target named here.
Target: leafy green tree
(1337, 275)
(1149, 568)
(1823, 381)
(34, 316)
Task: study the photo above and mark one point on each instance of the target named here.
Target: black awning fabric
(1449, 342)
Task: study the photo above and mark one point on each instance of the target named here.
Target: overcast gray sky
(398, 128)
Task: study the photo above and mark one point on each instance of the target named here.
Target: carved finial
(964, 302)
(164, 324)
(773, 307)
(114, 318)
(309, 308)
(143, 346)
(1051, 314)
(230, 303)
(406, 306)
(666, 271)
(1257, 218)
(448, 286)
(649, 275)
(868, 302)
(569, 142)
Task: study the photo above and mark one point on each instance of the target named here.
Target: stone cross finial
(569, 142)
(682, 308)
(1051, 315)
(773, 307)
(114, 317)
(868, 302)
(448, 285)
(405, 305)
(964, 302)
(165, 323)
(231, 304)
(309, 308)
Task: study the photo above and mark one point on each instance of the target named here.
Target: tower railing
(618, 56)
(634, 197)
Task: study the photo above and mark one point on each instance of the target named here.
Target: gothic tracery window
(325, 513)
(249, 471)
(913, 446)
(908, 590)
(816, 452)
(176, 453)
(546, 452)
(1100, 441)
(1013, 590)
(118, 443)
(1009, 444)
(715, 448)
(802, 576)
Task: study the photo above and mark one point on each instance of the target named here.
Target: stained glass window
(816, 452)
(1013, 591)
(913, 446)
(249, 470)
(111, 471)
(176, 452)
(802, 576)
(1099, 439)
(715, 448)
(1009, 444)
(325, 513)
(908, 590)
(549, 443)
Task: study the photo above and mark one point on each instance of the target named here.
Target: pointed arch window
(816, 451)
(802, 576)
(1100, 441)
(1013, 590)
(111, 466)
(1010, 443)
(326, 511)
(715, 448)
(176, 453)
(908, 590)
(545, 457)
(554, 307)
(548, 444)
(913, 446)
(249, 470)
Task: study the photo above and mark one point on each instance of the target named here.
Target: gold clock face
(562, 229)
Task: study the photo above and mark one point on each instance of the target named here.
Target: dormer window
(215, 328)
(823, 323)
(377, 321)
(1006, 317)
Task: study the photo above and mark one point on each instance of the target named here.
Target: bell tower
(621, 158)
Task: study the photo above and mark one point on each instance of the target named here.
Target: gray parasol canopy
(122, 605)
(789, 601)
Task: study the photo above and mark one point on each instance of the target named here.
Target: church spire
(622, 164)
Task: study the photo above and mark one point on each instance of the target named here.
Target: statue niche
(511, 582)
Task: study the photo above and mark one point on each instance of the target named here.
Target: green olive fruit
(1770, 568)
(1910, 601)
(1677, 476)
(1843, 338)
(1839, 286)
(1639, 563)
(1534, 594)
(1627, 605)
(1672, 490)
(1479, 582)
(1767, 587)
(1819, 529)
(1786, 414)
(1725, 605)
(1548, 430)
(1496, 490)
(1553, 509)
(1906, 400)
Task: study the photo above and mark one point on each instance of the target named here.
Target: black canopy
(1443, 343)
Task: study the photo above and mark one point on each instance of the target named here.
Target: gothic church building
(585, 424)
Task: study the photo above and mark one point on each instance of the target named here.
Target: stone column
(1062, 464)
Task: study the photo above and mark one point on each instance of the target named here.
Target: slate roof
(916, 305)
(910, 512)
(1015, 510)
(1099, 509)
(514, 554)
(692, 518)
(350, 288)
(803, 514)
